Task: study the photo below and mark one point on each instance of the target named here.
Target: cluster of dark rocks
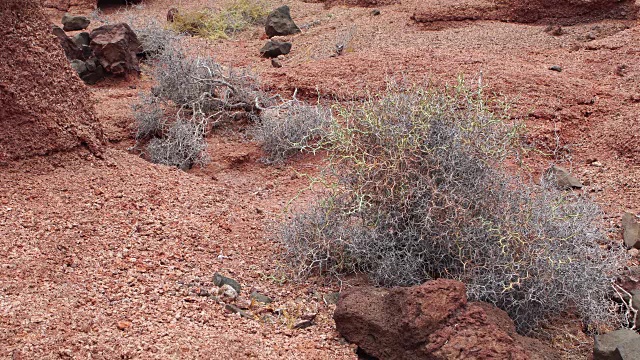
(278, 23)
(107, 50)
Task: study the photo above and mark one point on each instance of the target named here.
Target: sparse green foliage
(418, 189)
(233, 18)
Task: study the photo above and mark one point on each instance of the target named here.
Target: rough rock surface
(70, 47)
(275, 48)
(74, 22)
(116, 47)
(429, 321)
(607, 346)
(280, 23)
(47, 113)
(631, 231)
(90, 71)
(70, 5)
(563, 178)
(527, 11)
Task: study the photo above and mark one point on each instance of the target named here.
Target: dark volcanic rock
(279, 23)
(275, 48)
(73, 23)
(116, 47)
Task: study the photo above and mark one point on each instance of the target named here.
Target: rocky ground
(114, 257)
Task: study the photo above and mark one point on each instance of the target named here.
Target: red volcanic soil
(43, 109)
(104, 257)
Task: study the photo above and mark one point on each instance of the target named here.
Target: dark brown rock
(71, 49)
(171, 14)
(429, 321)
(116, 47)
(280, 23)
(275, 48)
(74, 22)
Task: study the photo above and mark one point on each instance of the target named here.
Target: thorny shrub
(417, 188)
(200, 92)
(290, 128)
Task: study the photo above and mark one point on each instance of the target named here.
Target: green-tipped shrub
(417, 190)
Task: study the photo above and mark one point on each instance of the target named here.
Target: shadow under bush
(417, 189)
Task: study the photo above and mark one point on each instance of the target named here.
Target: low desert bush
(183, 146)
(201, 92)
(236, 16)
(149, 117)
(290, 128)
(417, 189)
(202, 84)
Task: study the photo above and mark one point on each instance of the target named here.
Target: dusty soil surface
(105, 258)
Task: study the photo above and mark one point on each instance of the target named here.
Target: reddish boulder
(43, 104)
(430, 321)
(116, 47)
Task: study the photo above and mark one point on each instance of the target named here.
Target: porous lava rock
(430, 321)
(43, 104)
(275, 48)
(116, 46)
(280, 23)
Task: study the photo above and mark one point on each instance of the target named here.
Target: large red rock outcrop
(44, 107)
(430, 321)
(524, 11)
(70, 5)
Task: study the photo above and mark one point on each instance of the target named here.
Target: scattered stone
(308, 316)
(171, 14)
(555, 30)
(123, 325)
(429, 321)
(303, 324)
(557, 68)
(375, 12)
(202, 292)
(276, 63)
(236, 310)
(74, 23)
(563, 178)
(90, 71)
(607, 346)
(260, 298)
(630, 350)
(243, 304)
(279, 23)
(331, 298)
(621, 70)
(631, 231)
(219, 280)
(116, 47)
(227, 291)
(275, 48)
